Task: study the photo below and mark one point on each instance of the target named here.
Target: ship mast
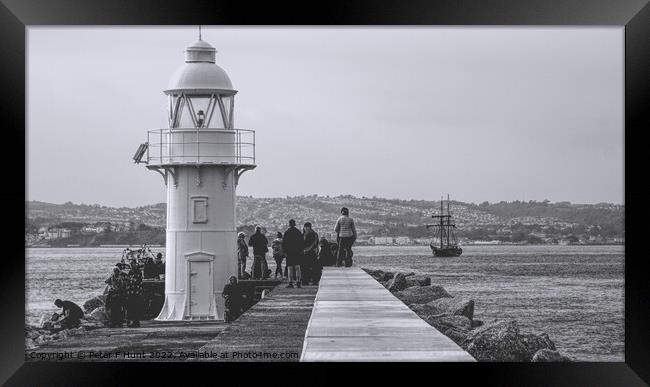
(445, 225)
(442, 221)
(448, 221)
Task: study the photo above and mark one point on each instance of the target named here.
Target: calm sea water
(573, 293)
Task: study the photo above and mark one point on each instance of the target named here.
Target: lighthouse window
(199, 209)
(227, 101)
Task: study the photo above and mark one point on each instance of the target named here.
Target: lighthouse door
(200, 288)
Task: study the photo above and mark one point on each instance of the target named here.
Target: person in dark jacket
(293, 244)
(72, 314)
(260, 246)
(160, 265)
(134, 299)
(233, 304)
(309, 267)
(150, 271)
(115, 298)
(325, 256)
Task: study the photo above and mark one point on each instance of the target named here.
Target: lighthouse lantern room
(201, 157)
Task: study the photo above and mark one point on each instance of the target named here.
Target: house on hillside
(403, 240)
(381, 240)
(56, 233)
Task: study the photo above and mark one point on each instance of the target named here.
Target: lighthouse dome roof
(200, 73)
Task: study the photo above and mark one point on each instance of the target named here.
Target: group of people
(124, 293)
(124, 298)
(304, 252)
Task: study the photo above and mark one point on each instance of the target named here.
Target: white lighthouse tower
(201, 157)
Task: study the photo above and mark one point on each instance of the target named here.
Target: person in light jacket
(346, 234)
(278, 254)
(242, 253)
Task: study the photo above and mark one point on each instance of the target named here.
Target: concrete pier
(355, 318)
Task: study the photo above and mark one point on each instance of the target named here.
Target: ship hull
(452, 251)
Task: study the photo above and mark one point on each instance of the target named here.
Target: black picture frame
(634, 15)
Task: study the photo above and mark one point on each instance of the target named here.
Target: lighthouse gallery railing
(201, 146)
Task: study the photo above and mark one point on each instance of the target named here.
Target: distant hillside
(374, 216)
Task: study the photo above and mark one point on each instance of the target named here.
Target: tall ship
(444, 242)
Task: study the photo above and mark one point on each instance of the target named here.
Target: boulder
(397, 283)
(502, 341)
(409, 274)
(457, 322)
(424, 310)
(421, 294)
(418, 280)
(99, 315)
(454, 306)
(445, 306)
(380, 275)
(94, 303)
(457, 335)
(548, 355)
(387, 276)
(477, 323)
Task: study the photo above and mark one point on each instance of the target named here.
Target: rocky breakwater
(48, 330)
(497, 340)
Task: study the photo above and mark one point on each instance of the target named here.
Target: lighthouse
(201, 157)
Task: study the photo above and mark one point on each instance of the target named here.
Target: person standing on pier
(242, 253)
(278, 254)
(325, 256)
(260, 246)
(292, 244)
(309, 267)
(134, 300)
(233, 303)
(160, 265)
(149, 271)
(115, 298)
(346, 234)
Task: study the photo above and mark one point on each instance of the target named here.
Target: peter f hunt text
(103, 355)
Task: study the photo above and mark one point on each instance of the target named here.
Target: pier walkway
(272, 330)
(355, 318)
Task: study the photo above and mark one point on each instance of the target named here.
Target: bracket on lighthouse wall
(162, 171)
(172, 171)
(240, 171)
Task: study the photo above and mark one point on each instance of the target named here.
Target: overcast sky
(413, 113)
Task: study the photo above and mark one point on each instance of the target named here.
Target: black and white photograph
(212, 193)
